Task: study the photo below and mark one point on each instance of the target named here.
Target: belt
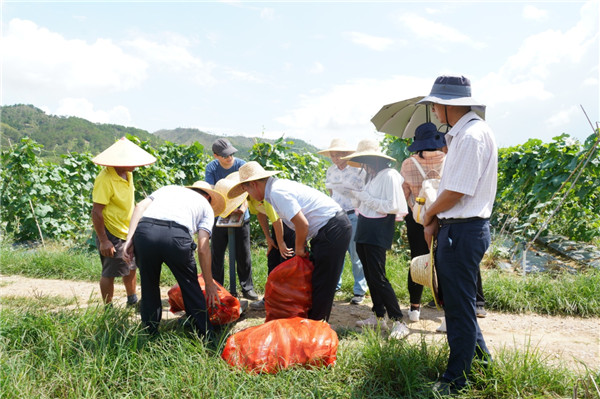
(350, 212)
(444, 222)
(160, 222)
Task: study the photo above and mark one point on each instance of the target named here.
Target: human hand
(285, 251)
(302, 252)
(212, 295)
(430, 231)
(107, 249)
(128, 252)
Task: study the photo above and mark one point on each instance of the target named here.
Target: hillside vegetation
(60, 135)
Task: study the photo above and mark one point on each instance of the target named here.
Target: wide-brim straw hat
(224, 186)
(365, 148)
(124, 154)
(250, 171)
(338, 145)
(422, 271)
(217, 200)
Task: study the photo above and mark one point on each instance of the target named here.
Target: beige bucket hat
(250, 171)
(124, 154)
(224, 186)
(217, 200)
(366, 148)
(422, 271)
(339, 145)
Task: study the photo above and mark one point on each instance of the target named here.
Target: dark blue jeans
(327, 252)
(157, 242)
(460, 249)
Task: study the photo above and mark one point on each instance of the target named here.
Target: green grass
(556, 293)
(93, 353)
(50, 347)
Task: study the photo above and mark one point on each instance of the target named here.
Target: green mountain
(242, 143)
(61, 135)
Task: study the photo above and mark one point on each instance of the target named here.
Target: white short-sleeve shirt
(471, 168)
(181, 205)
(289, 197)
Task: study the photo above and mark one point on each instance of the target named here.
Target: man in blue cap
(459, 218)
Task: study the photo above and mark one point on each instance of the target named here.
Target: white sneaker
(372, 322)
(399, 330)
(442, 327)
(414, 315)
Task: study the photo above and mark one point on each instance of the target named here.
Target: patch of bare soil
(569, 341)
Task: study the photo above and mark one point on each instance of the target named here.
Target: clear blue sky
(310, 70)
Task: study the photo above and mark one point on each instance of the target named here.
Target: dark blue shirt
(215, 172)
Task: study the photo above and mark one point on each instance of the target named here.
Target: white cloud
(534, 13)
(346, 109)
(243, 76)
(562, 118)
(317, 68)
(435, 31)
(267, 14)
(82, 108)
(373, 42)
(35, 58)
(175, 56)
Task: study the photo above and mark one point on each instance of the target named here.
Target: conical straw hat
(223, 186)
(124, 154)
(365, 148)
(422, 271)
(339, 145)
(217, 201)
(249, 171)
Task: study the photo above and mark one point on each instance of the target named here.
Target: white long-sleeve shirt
(383, 195)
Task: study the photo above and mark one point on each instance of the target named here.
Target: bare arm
(301, 227)
(204, 257)
(135, 218)
(106, 247)
(264, 225)
(283, 248)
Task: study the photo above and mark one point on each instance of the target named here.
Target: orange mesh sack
(288, 292)
(280, 344)
(225, 312)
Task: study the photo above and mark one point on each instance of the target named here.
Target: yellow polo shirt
(117, 196)
(256, 207)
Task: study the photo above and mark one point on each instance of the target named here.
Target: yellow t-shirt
(255, 207)
(117, 194)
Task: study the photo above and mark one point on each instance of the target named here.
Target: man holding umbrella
(459, 218)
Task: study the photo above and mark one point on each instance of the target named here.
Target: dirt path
(567, 340)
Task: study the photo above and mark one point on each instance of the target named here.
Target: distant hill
(61, 135)
(242, 143)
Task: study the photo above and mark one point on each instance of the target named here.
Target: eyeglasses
(226, 156)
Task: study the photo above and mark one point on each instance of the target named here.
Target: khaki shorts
(115, 266)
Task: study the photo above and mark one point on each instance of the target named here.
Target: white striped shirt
(471, 168)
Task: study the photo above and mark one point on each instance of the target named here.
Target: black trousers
(328, 252)
(157, 242)
(418, 246)
(219, 242)
(274, 257)
(384, 299)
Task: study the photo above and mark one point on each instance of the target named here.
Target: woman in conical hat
(381, 202)
(113, 202)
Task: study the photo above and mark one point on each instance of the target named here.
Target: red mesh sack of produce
(288, 292)
(280, 344)
(227, 311)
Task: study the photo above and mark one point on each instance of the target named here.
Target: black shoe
(443, 388)
(431, 305)
(480, 311)
(250, 294)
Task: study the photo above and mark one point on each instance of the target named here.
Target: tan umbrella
(400, 119)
